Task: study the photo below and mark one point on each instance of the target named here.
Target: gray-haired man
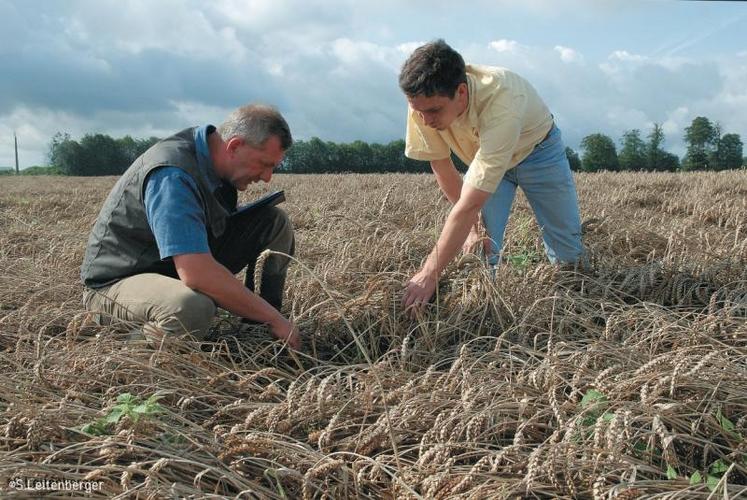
(163, 250)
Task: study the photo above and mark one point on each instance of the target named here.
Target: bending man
(495, 122)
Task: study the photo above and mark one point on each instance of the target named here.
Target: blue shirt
(174, 207)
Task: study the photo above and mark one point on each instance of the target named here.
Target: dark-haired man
(496, 123)
(163, 251)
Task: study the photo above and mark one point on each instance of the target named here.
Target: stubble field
(623, 380)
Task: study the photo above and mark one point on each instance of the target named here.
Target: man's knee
(188, 312)
(282, 230)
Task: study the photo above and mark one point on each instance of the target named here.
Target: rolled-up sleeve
(175, 212)
(500, 127)
(423, 142)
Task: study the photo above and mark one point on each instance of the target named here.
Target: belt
(547, 135)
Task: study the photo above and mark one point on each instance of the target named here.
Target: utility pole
(15, 141)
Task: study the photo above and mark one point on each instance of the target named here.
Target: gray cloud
(149, 68)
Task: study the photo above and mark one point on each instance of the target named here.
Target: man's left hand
(473, 238)
(418, 291)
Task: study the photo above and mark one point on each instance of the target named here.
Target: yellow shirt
(504, 120)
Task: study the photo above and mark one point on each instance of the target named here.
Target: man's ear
(233, 144)
(462, 89)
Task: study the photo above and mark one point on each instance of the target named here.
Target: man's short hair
(254, 124)
(432, 69)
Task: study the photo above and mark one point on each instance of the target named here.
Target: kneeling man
(163, 250)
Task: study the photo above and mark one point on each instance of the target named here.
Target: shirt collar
(469, 117)
(204, 162)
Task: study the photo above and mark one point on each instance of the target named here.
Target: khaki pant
(161, 300)
(153, 300)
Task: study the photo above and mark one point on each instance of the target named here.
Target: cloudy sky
(151, 67)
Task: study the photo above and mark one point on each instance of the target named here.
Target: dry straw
(543, 381)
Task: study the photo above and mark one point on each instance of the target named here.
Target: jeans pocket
(552, 138)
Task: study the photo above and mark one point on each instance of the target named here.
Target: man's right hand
(203, 273)
(283, 329)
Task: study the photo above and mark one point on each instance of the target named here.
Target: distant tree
(667, 162)
(102, 155)
(599, 153)
(333, 156)
(633, 151)
(654, 151)
(346, 159)
(728, 153)
(701, 137)
(397, 151)
(95, 154)
(318, 155)
(360, 157)
(145, 144)
(695, 160)
(573, 159)
(128, 146)
(293, 158)
(657, 159)
(384, 158)
(133, 148)
(64, 154)
(305, 157)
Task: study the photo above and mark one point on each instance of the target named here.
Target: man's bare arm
(448, 178)
(450, 182)
(463, 215)
(201, 272)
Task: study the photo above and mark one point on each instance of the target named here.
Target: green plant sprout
(127, 406)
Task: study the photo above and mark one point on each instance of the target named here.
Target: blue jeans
(546, 179)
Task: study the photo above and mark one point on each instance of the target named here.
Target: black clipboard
(248, 209)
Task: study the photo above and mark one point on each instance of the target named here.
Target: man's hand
(470, 245)
(462, 217)
(203, 273)
(477, 239)
(419, 290)
(283, 329)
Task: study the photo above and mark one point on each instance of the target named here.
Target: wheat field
(627, 379)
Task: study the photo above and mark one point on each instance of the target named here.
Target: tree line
(95, 154)
(99, 154)
(317, 156)
(707, 149)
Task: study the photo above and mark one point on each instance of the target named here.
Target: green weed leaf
(592, 397)
(114, 415)
(719, 467)
(126, 398)
(671, 473)
(95, 428)
(712, 481)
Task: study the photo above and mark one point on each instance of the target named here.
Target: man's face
(248, 164)
(439, 111)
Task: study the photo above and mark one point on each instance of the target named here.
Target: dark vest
(121, 243)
